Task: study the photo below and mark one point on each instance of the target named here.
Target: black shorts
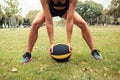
(54, 12)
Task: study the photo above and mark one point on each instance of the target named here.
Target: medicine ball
(61, 53)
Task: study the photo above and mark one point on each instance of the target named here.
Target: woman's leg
(80, 22)
(33, 34)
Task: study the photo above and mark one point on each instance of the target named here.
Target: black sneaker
(26, 57)
(95, 53)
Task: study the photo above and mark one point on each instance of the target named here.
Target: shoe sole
(95, 58)
(27, 61)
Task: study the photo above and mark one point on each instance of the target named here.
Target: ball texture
(61, 53)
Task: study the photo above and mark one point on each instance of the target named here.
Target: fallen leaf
(10, 49)
(106, 44)
(90, 70)
(14, 70)
(42, 68)
(113, 40)
(2, 64)
(95, 37)
(74, 77)
(83, 63)
(10, 58)
(35, 47)
(85, 69)
(105, 75)
(4, 74)
(95, 70)
(119, 71)
(105, 68)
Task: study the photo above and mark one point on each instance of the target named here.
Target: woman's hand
(70, 47)
(51, 48)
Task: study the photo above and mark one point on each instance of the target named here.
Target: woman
(66, 10)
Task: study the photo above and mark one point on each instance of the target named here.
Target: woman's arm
(48, 20)
(49, 23)
(69, 20)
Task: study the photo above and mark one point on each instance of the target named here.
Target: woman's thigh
(78, 20)
(39, 19)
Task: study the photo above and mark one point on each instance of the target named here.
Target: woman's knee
(35, 26)
(38, 21)
(82, 25)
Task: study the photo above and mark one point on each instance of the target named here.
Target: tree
(11, 9)
(3, 21)
(90, 11)
(114, 10)
(31, 15)
(26, 22)
(1, 13)
(19, 20)
(1, 17)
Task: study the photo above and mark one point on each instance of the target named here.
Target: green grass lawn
(80, 66)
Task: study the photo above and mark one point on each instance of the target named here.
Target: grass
(80, 66)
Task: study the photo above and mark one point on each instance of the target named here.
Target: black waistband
(59, 4)
(55, 12)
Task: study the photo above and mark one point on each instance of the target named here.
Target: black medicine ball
(61, 53)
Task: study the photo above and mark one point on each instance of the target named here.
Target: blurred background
(21, 13)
